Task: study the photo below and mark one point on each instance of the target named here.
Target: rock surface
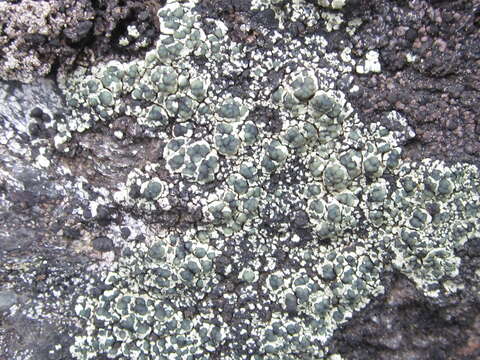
(227, 186)
(42, 38)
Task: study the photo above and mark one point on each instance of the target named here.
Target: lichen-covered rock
(219, 197)
(309, 13)
(299, 217)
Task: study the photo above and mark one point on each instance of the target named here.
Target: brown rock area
(438, 90)
(37, 38)
(404, 324)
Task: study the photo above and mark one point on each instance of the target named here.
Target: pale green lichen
(302, 219)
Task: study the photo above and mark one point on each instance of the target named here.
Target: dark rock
(34, 129)
(46, 117)
(104, 215)
(125, 232)
(102, 244)
(36, 112)
(300, 219)
(64, 34)
(291, 304)
(36, 39)
(71, 233)
(266, 18)
(79, 32)
(403, 324)
(411, 34)
(437, 83)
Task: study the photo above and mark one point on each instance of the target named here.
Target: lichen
(300, 219)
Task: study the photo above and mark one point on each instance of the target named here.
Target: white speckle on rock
(370, 64)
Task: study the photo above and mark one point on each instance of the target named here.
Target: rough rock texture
(430, 58)
(403, 324)
(38, 38)
(203, 198)
(40, 274)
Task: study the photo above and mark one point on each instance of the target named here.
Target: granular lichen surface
(303, 206)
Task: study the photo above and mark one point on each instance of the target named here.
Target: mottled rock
(8, 298)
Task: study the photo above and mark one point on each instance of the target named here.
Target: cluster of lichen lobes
(302, 220)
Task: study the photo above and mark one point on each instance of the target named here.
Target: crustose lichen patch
(299, 220)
